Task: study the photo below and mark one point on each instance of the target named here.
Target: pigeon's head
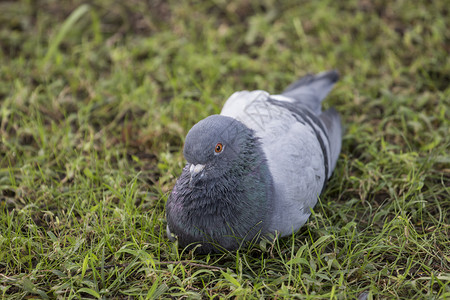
(213, 146)
(226, 174)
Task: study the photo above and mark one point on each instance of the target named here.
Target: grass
(96, 101)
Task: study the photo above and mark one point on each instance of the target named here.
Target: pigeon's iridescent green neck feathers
(229, 198)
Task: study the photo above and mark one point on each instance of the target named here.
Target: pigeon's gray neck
(226, 209)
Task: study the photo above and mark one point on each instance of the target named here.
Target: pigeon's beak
(196, 173)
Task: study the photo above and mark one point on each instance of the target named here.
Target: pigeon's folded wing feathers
(300, 142)
(333, 126)
(290, 144)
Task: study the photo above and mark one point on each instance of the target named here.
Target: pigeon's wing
(309, 92)
(292, 145)
(297, 145)
(332, 121)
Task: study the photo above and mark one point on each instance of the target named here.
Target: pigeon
(257, 169)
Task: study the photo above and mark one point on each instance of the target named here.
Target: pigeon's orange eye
(219, 148)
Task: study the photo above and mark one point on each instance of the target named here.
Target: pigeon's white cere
(195, 169)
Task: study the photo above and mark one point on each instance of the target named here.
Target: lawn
(96, 101)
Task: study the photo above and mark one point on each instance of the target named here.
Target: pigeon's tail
(312, 89)
(330, 118)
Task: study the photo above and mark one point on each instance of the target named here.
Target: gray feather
(332, 122)
(312, 89)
